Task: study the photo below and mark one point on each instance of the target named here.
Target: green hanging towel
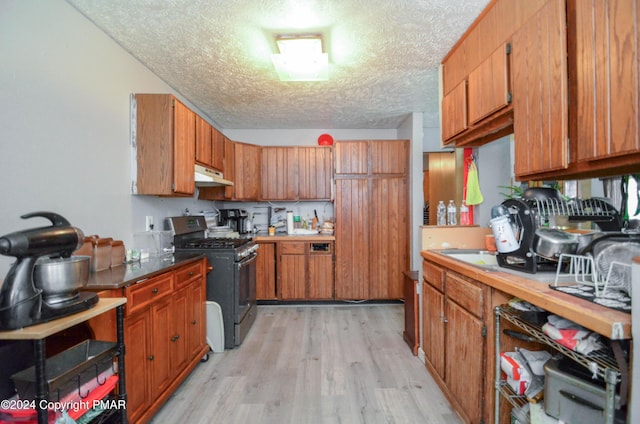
(474, 196)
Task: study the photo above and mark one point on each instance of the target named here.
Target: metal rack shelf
(604, 363)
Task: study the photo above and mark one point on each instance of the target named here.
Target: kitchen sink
(488, 261)
(473, 256)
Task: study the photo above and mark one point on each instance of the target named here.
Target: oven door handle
(247, 260)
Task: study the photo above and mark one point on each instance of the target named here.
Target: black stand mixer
(21, 303)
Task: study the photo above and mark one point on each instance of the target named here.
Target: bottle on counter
(451, 213)
(464, 214)
(442, 213)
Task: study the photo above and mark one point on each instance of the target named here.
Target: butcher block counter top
(534, 288)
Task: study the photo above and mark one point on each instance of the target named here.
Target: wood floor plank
(314, 364)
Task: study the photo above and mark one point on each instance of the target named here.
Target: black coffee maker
(21, 303)
(236, 219)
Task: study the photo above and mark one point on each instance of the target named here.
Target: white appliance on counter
(634, 402)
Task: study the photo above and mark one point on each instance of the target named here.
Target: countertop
(130, 273)
(265, 238)
(534, 288)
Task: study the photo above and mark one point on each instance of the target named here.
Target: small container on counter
(272, 231)
(118, 253)
(86, 250)
(101, 254)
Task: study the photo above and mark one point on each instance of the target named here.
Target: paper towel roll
(289, 222)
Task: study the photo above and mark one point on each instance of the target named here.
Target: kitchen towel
(474, 196)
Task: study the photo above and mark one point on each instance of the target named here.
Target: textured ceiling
(383, 56)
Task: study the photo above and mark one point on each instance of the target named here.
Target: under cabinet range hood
(206, 177)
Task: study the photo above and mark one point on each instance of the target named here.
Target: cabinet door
(203, 142)
(489, 86)
(389, 156)
(433, 328)
(352, 211)
(155, 132)
(217, 150)
(162, 331)
(266, 272)
(315, 165)
(197, 329)
(179, 340)
(464, 369)
(184, 146)
(230, 167)
(351, 157)
(137, 337)
(321, 279)
(279, 166)
(246, 172)
(454, 111)
(540, 94)
(607, 64)
(388, 249)
(292, 276)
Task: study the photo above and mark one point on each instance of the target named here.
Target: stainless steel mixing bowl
(61, 278)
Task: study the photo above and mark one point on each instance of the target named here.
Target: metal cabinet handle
(191, 274)
(150, 357)
(175, 338)
(194, 322)
(155, 291)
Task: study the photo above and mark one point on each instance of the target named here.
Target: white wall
(495, 168)
(412, 130)
(64, 124)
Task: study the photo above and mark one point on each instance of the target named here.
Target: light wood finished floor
(314, 364)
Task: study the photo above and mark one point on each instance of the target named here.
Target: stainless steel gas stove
(232, 281)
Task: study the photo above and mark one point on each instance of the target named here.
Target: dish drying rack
(581, 269)
(579, 210)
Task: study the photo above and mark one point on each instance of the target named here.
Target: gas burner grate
(215, 243)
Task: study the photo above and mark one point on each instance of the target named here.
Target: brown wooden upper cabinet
(489, 85)
(279, 167)
(204, 143)
(607, 76)
(475, 105)
(540, 90)
(454, 112)
(375, 157)
(209, 145)
(315, 173)
(351, 157)
(296, 173)
(165, 146)
(246, 171)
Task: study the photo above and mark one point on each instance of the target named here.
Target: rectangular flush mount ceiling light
(301, 58)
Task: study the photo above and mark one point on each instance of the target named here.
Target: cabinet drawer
(465, 294)
(141, 295)
(434, 275)
(186, 274)
(292, 248)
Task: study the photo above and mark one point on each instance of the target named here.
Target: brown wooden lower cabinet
(266, 272)
(164, 334)
(455, 320)
(305, 270)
